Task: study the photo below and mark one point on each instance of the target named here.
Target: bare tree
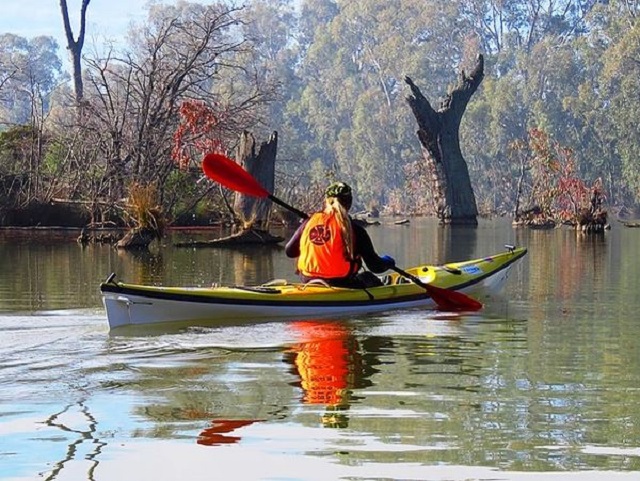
(75, 45)
(136, 98)
(133, 101)
(439, 134)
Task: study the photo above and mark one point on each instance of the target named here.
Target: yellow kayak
(131, 304)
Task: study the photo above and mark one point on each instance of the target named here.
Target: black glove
(389, 261)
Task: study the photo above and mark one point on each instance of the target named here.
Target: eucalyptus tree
(313, 17)
(29, 72)
(268, 61)
(533, 94)
(352, 103)
(532, 73)
(505, 27)
(607, 101)
(568, 92)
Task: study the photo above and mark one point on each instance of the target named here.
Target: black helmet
(342, 192)
(338, 189)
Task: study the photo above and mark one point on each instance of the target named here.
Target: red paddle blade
(228, 173)
(448, 300)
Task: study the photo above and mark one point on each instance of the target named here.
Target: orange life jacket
(322, 249)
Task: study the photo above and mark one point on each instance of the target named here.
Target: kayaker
(331, 246)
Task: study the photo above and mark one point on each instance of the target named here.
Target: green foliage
(353, 103)
(54, 159)
(15, 144)
(620, 81)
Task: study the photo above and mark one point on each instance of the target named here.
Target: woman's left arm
(364, 248)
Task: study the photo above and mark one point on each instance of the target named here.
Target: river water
(543, 384)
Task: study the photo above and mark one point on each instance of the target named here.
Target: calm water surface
(542, 385)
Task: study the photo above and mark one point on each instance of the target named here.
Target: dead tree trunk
(439, 134)
(255, 212)
(75, 46)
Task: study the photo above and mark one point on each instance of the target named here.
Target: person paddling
(331, 247)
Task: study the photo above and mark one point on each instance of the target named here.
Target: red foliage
(198, 133)
(556, 189)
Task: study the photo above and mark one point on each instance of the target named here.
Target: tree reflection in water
(85, 434)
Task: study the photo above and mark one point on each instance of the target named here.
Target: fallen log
(242, 238)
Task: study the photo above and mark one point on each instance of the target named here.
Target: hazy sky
(105, 18)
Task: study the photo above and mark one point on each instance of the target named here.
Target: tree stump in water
(261, 165)
(438, 131)
(251, 212)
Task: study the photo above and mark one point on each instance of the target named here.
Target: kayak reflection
(330, 364)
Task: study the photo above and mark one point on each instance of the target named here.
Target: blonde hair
(333, 206)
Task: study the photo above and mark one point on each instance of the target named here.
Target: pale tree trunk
(253, 212)
(439, 134)
(75, 46)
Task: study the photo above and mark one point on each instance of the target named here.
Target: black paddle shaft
(282, 203)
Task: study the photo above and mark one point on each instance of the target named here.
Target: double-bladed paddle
(225, 171)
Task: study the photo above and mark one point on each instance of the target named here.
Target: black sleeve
(292, 249)
(365, 249)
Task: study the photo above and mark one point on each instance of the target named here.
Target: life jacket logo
(319, 235)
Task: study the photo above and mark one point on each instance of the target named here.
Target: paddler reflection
(330, 366)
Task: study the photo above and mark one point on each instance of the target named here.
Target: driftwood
(245, 237)
(365, 222)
